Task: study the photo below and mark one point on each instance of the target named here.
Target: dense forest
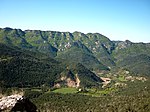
(134, 98)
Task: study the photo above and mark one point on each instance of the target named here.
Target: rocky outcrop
(9, 101)
(16, 103)
(70, 80)
(106, 81)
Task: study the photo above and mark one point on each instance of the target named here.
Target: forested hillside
(95, 51)
(34, 57)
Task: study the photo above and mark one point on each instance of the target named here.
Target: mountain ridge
(94, 51)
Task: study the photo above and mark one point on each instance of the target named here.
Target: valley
(73, 72)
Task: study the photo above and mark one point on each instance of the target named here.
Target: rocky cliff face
(69, 81)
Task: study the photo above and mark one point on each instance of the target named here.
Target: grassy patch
(121, 78)
(65, 90)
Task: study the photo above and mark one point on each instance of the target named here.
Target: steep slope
(87, 78)
(14, 37)
(133, 56)
(36, 39)
(25, 68)
(76, 75)
(101, 47)
(93, 50)
(127, 48)
(55, 43)
(139, 64)
(98, 44)
(79, 53)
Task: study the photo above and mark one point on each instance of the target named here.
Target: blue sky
(116, 19)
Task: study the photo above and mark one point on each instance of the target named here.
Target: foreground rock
(17, 103)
